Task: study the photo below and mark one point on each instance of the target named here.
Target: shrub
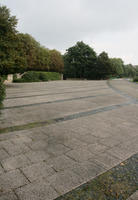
(51, 76)
(14, 77)
(135, 79)
(42, 76)
(2, 91)
(31, 76)
(19, 80)
(34, 76)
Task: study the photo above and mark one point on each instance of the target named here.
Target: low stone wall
(19, 75)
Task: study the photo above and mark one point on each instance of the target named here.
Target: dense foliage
(103, 67)
(117, 65)
(135, 79)
(35, 76)
(2, 91)
(8, 53)
(81, 61)
(56, 63)
(21, 52)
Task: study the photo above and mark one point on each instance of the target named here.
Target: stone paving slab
(8, 196)
(133, 196)
(1, 169)
(37, 156)
(37, 171)
(47, 161)
(15, 162)
(88, 169)
(12, 180)
(11, 117)
(55, 86)
(65, 181)
(56, 94)
(126, 87)
(117, 183)
(106, 160)
(81, 154)
(3, 154)
(61, 163)
(13, 149)
(60, 97)
(38, 190)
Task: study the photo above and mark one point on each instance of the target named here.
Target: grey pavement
(133, 196)
(47, 161)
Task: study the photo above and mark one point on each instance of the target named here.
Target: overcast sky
(106, 25)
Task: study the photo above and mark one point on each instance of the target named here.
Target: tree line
(21, 52)
(81, 61)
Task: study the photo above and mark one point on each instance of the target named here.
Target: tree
(39, 58)
(2, 91)
(79, 61)
(36, 57)
(129, 71)
(104, 67)
(42, 59)
(21, 52)
(28, 49)
(8, 53)
(117, 66)
(135, 78)
(56, 63)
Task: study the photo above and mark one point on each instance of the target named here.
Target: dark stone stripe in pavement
(117, 183)
(56, 101)
(37, 95)
(65, 118)
(130, 98)
(91, 112)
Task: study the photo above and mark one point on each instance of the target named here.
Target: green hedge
(2, 91)
(135, 79)
(34, 76)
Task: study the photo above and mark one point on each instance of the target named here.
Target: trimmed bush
(2, 91)
(135, 79)
(31, 77)
(53, 76)
(34, 76)
(42, 76)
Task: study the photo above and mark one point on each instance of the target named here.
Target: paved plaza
(56, 136)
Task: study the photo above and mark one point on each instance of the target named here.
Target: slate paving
(49, 149)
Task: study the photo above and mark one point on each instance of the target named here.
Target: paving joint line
(54, 87)
(73, 116)
(56, 101)
(24, 175)
(15, 194)
(130, 98)
(53, 93)
(64, 118)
